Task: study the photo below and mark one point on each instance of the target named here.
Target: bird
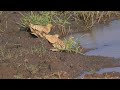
(52, 38)
(38, 30)
(55, 41)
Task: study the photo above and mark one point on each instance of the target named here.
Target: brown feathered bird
(38, 30)
(55, 41)
(52, 38)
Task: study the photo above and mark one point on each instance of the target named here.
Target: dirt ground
(21, 55)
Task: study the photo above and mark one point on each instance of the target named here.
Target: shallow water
(101, 71)
(105, 38)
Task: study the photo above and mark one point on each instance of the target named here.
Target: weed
(71, 45)
(57, 75)
(36, 19)
(32, 68)
(20, 76)
(4, 54)
(41, 50)
(92, 71)
(92, 17)
(24, 52)
(61, 20)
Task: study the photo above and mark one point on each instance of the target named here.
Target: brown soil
(18, 59)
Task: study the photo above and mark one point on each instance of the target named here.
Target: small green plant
(90, 18)
(71, 45)
(32, 68)
(41, 50)
(61, 19)
(37, 19)
(5, 54)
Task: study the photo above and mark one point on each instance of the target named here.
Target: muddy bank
(25, 56)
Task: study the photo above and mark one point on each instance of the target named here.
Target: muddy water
(101, 71)
(104, 39)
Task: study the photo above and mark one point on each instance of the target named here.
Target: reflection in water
(105, 38)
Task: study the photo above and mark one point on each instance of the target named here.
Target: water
(105, 38)
(101, 71)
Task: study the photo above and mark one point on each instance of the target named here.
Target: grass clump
(91, 18)
(72, 46)
(40, 50)
(63, 19)
(36, 19)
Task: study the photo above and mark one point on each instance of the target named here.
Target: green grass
(72, 46)
(45, 17)
(62, 20)
(36, 19)
(90, 18)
